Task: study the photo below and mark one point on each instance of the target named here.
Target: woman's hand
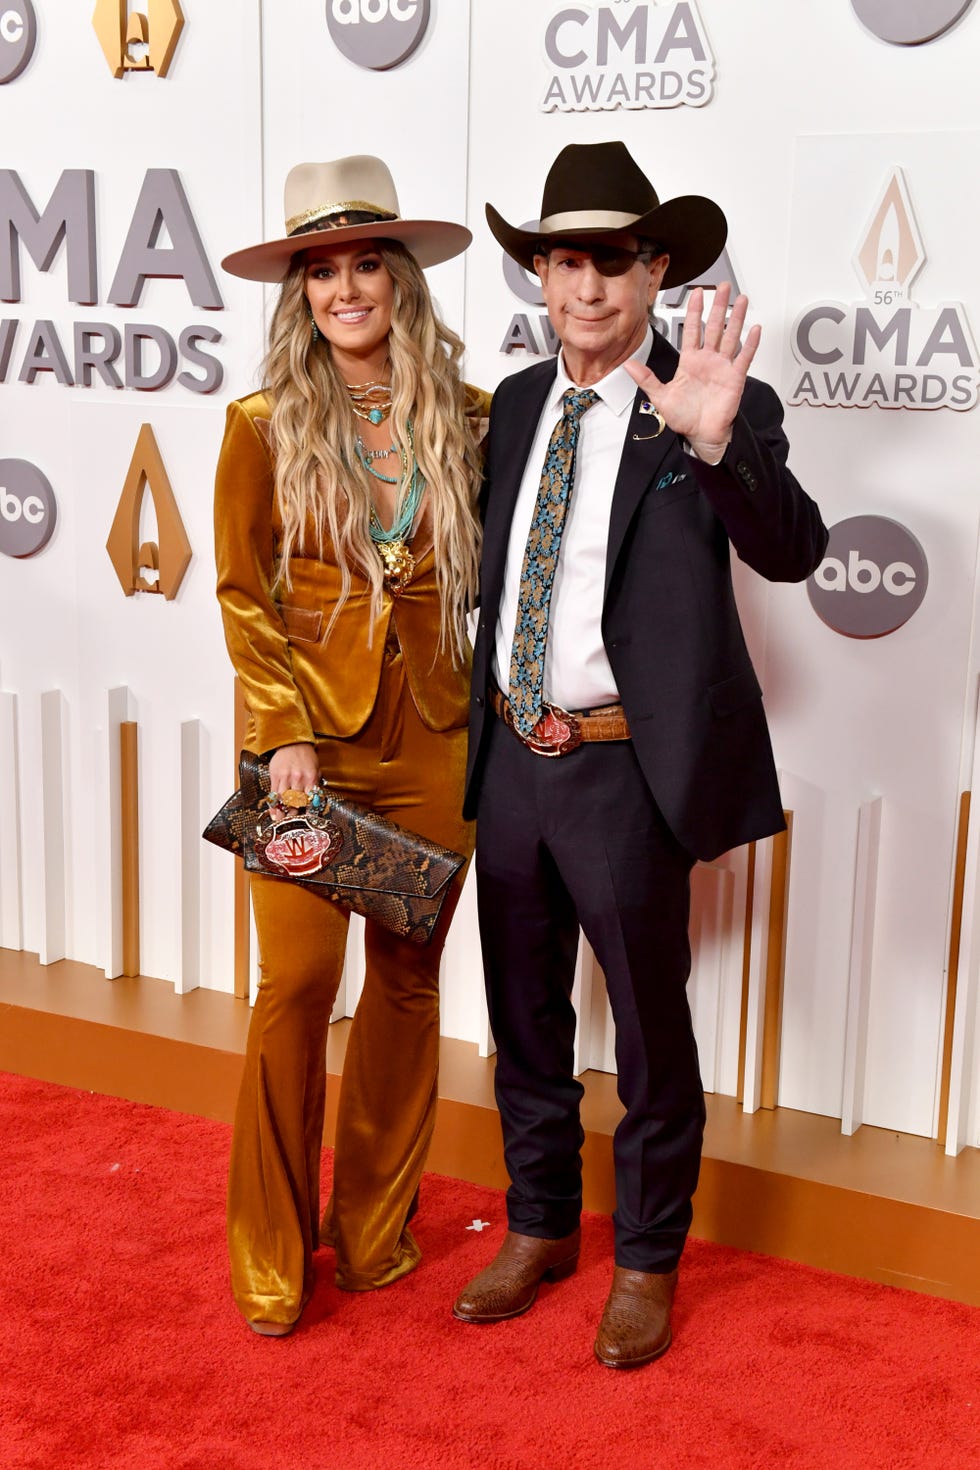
(294, 768)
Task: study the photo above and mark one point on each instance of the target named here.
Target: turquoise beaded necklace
(399, 563)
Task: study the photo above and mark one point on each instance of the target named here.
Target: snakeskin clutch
(337, 848)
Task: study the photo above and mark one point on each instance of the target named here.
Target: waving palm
(701, 400)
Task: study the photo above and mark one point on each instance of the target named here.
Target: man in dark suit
(609, 640)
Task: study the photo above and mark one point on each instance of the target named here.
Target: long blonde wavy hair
(320, 481)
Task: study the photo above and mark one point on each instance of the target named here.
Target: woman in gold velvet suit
(347, 549)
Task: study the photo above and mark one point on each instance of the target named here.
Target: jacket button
(480, 700)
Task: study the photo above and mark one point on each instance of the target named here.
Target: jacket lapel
(642, 456)
(510, 453)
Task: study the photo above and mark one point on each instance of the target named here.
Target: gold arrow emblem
(152, 566)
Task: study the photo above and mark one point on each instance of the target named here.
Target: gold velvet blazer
(299, 685)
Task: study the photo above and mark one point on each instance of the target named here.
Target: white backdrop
(808, 113)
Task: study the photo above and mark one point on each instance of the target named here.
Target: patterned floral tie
(541, 560)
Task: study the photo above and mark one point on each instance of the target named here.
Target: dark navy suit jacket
(669, 621)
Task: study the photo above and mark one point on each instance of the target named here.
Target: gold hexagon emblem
(138, 40)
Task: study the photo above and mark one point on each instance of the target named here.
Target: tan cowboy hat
(346, 200)
(598, 189)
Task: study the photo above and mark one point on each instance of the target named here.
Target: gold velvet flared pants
(388, 1092)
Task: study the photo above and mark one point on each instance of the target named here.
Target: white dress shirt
(577, 674)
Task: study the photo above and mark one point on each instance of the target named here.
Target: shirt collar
(617, 389)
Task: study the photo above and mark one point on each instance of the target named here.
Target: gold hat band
(321, 215)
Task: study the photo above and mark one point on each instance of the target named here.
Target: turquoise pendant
(376, 416)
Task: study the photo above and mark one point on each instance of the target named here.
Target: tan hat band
(337, 216)
(587, 219)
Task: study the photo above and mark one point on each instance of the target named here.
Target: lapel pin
(647, 408)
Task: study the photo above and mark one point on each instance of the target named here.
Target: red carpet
(122, 1349)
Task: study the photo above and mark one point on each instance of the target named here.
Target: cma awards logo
(140, 355)
(886, 351)
(909, 22)
(636, 54)
(145, 565)
(138, 40)
(18, 37)
(873, 578)
(377, 34)
(537, 336)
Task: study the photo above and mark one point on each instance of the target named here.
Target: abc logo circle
(376, 34)
(872, 579)
(18, 35)
(909, 22)
(27, 508)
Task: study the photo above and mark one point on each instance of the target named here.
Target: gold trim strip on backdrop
(955, 930)
(320, 215)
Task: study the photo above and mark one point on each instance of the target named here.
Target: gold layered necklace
(370, 401)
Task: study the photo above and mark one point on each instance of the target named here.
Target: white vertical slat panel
(602, 1028)
(486, 1046)
(859, 969)
(11, 895)
(340, 1010)
(53, 865)
(712, 891)
(352, 980)
(462, 998)
(189, 860)
(254, 957)
(587, 977)
(963, 1060)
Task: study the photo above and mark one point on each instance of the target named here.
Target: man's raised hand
(701, 400)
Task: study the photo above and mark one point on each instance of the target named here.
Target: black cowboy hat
(595, 190)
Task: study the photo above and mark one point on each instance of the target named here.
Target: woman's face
(351, 295)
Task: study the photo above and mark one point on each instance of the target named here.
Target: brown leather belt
(560, 731)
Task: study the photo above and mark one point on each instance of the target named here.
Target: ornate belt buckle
(556, 733)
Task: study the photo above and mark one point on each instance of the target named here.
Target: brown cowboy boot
(509, 1285)
(635, 1326)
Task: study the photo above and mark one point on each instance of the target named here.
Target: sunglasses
(610, 260)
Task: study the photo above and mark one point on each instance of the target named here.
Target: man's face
(598, 316)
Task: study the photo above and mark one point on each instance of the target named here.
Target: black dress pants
(563, 842)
